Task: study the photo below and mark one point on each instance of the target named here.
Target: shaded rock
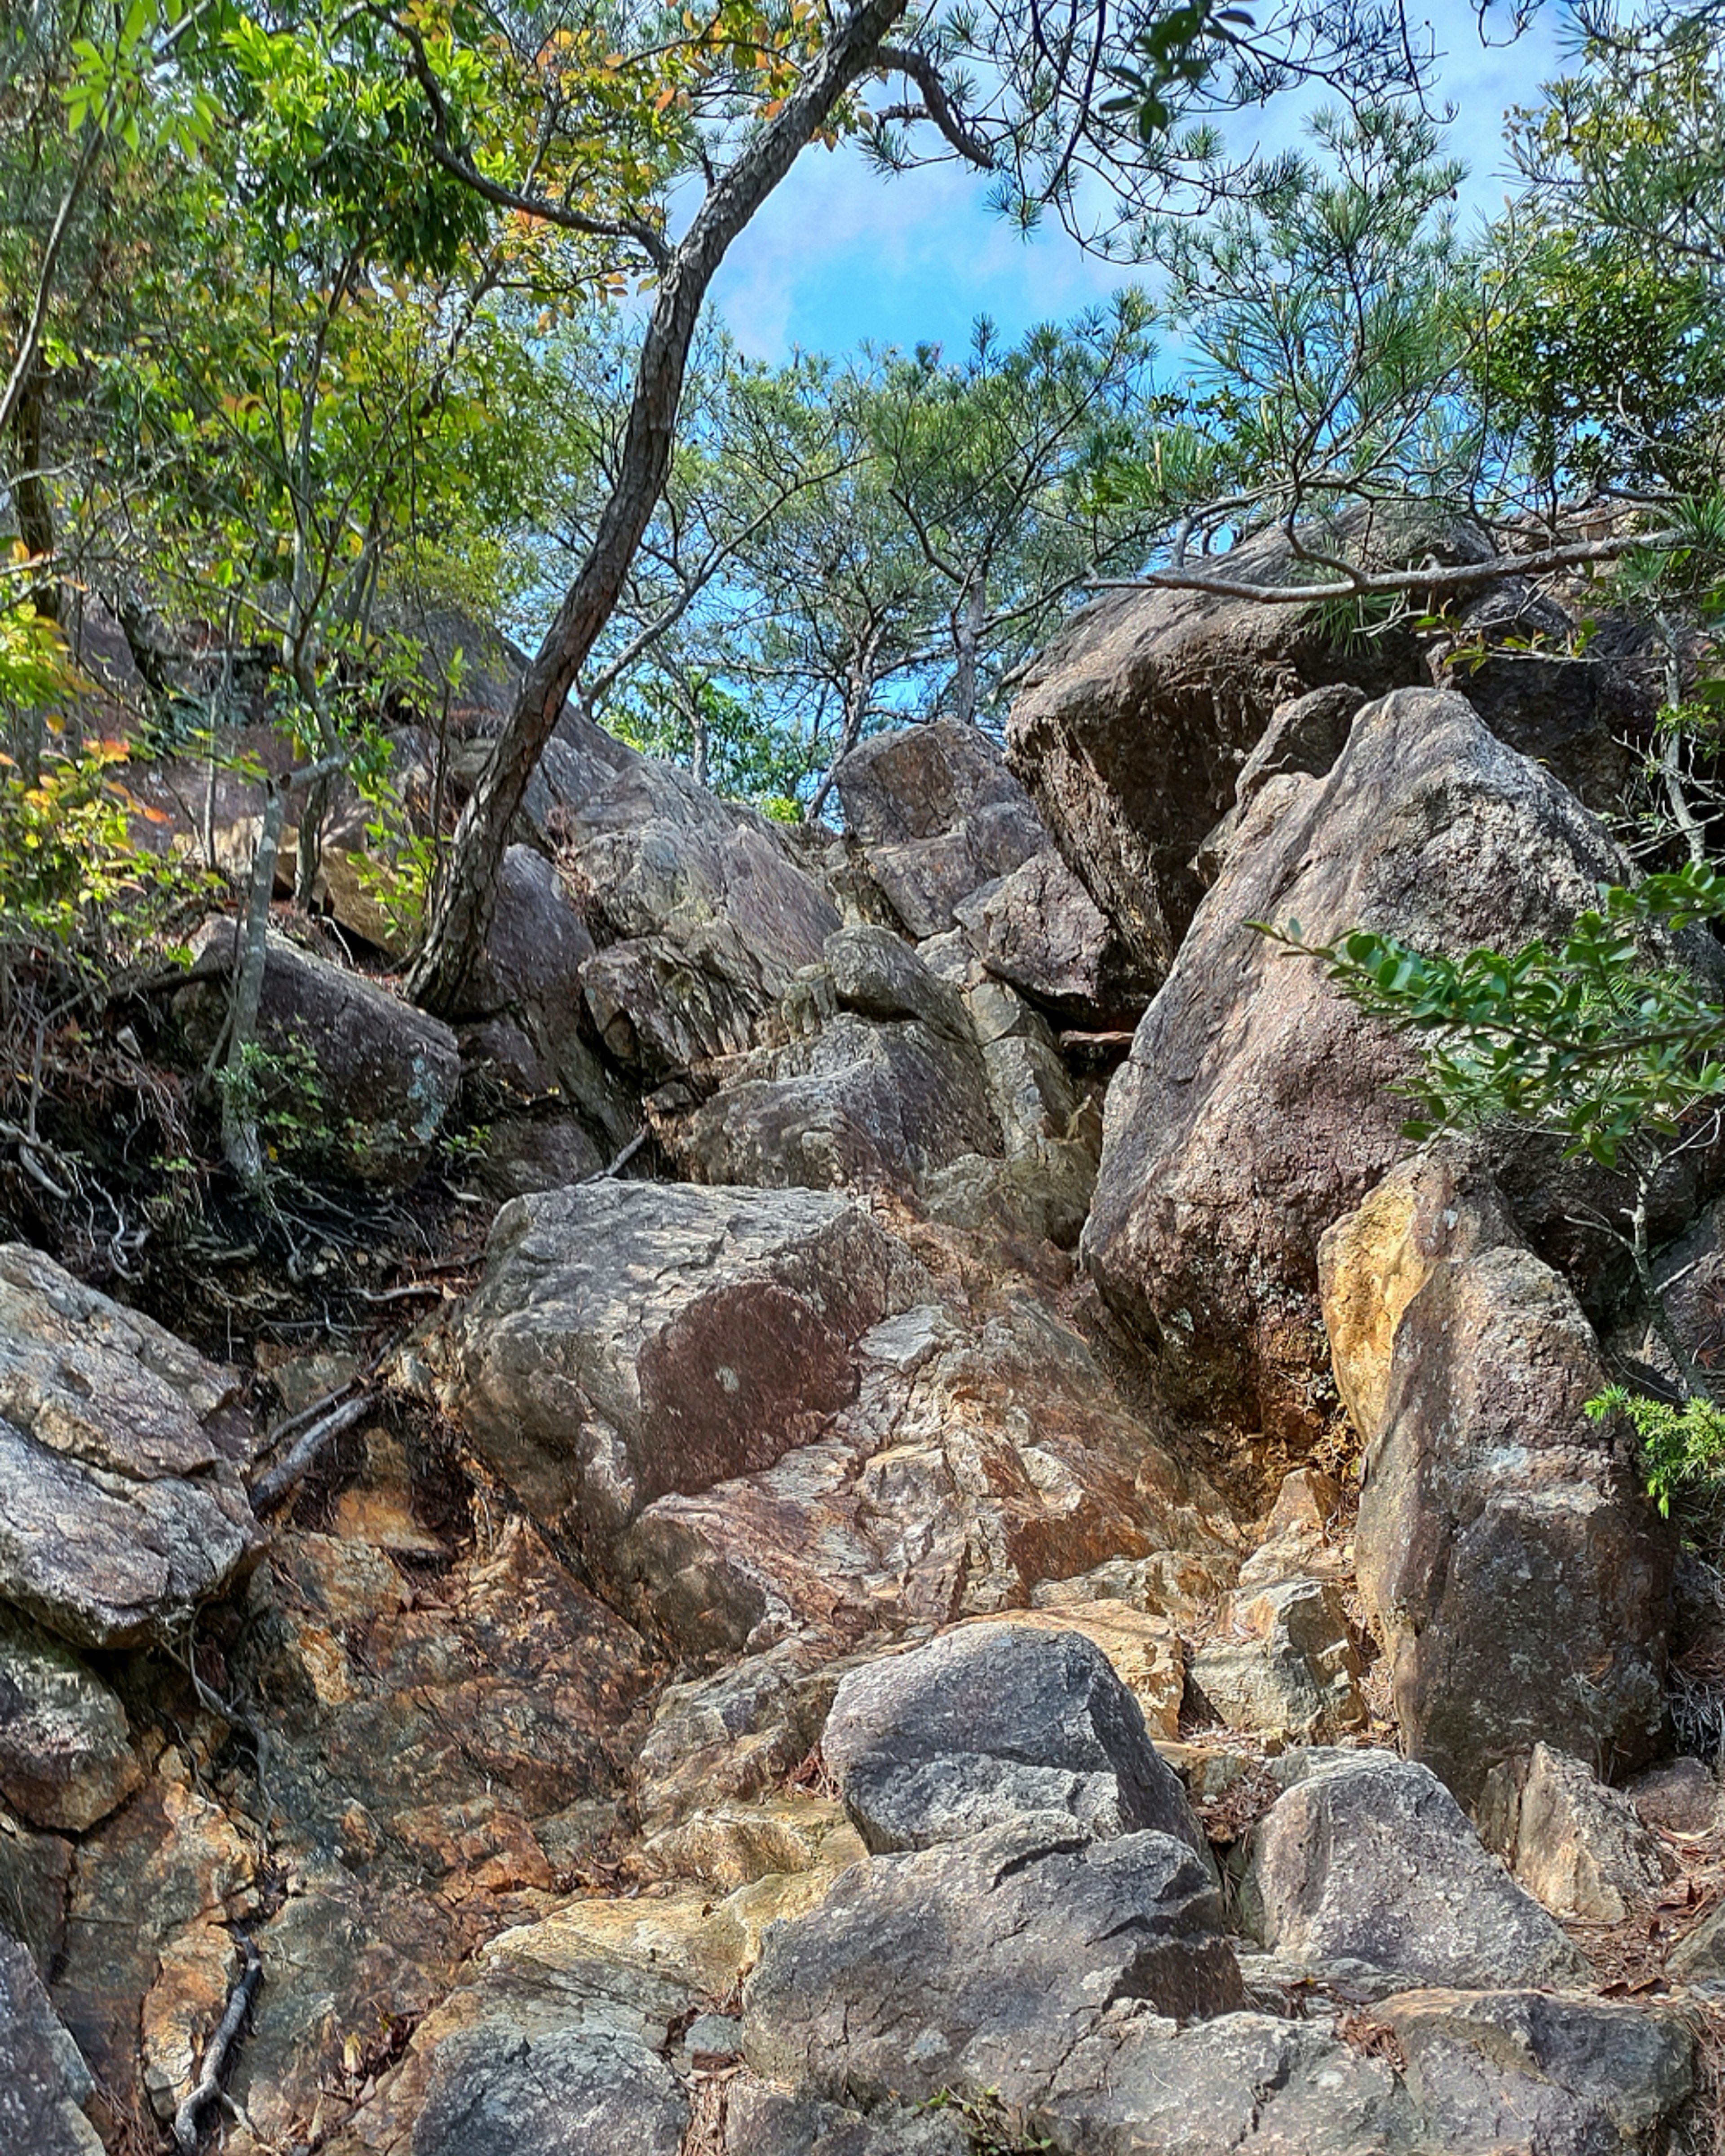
(1681, 1798)
(1575, 1845)
(522, 1154)
(1577, 715)
(43, 2082)
(632, 1339)
(1285, 1662)
(1040, 929)
(1701, 1958)
(35, 1877)
(385, 1075)
(703, 911)
(1367, 1859)
(595, 2092)
(120, 1504)
(990, 1722)
(1304, 737)
(1045, 1195)
(1131, 728)
(761, 2121)
(65, 1757)
(1256, 1105)
(938, 814)
(980, 1964)
(1523, 2069)
(1518, 1575)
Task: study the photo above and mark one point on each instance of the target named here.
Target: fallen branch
(208, 2087)
(622, 1159)
(291, 1470)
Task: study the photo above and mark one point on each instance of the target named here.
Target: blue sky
(840, 255)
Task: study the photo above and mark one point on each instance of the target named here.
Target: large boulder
(979, 1963)
(1367, 1862)
(937, 814)
(1131, 729)
(121, 1507)
(629, 1339)
(364, 1078)
(1040, 929)
(1258, 1105)
(990, 1722)
(1518, 1575)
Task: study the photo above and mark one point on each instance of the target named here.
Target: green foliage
(1682, 1448)
(277, 1092)
(995, 2127)
(1602, 1039)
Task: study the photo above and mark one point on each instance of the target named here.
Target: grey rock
(990, 1722)
(43, 2082)
(120, 1504)
(1041, 929)
(629, 1339)
(1369, 1859)
(1700, 1957)
(593, 2091)
(938, 814)
(65, 1755)
(880, 976)
(759, 2121)
(1566, 2076)
(980, 1964)
(386, 1075)
(1682, 1797)
(35, 1873)
(1285, 1661)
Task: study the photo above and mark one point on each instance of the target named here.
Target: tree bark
(460, 916)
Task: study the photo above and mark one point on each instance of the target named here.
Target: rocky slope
(960, 1596)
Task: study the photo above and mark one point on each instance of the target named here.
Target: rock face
(1256, 1105)
(702, 912)
(596, 2091)
(1285, 1661)
(989, 1722)
(381, 1076)
(937, 815)
(120, 1504)
(65, 1760)
(1041, 929)
(1131, 730)
(1520, 1578)
(630, 1340)
(981, 1963)
(1368, 1860)
(43, 2082)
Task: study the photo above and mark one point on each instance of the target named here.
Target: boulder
(979, 1963)
(1367, 1861)
(631, 1339)
(590, 2091)
(763, 2121)
(1257, 1104)
(1132, 727)
(373, 1078)
(65, 1757)
(121, 1507)
(1700, 1957)
(1576, 1846)
(43, 2082)
(35, 1875)
(1681, 1798)
(1518, 1575)
(1284, 1663)
(937, 814)
(981, 1456)
(703, 912)
(990, 1722)
(1039, 929)
(1514, 2069)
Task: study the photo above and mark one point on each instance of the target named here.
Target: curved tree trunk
(460, 916)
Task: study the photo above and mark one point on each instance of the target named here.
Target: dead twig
(289, 1472)
(208, 2087)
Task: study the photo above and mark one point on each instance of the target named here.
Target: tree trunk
(461, 917)
(968, 635)
(240, 1144)
(32, 502)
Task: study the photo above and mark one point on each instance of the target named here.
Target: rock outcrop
(1258, 1104)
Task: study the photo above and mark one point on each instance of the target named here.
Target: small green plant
(279, 1091)
(1682, 1446)
(995, 2127)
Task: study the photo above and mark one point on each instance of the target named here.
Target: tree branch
(919, 68)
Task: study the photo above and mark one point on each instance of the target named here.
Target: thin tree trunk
(240, 1144)
(31, 501)
(461, 917)
(968, 635)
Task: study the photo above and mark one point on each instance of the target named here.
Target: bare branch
(919, 68)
